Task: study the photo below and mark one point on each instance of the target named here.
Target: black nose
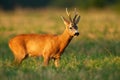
(77, 33)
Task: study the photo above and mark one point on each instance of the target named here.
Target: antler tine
(75, 15)
(68, 14)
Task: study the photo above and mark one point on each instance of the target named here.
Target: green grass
(94, 55)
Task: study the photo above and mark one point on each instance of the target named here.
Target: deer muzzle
(76, 33)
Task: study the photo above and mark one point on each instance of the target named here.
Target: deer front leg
(46, 61)
(57, 62)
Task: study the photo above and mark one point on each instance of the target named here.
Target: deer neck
(65, 38)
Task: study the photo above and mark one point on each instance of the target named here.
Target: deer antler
(75, 15)
(68, 15)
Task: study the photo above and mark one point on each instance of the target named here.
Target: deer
(49, 46)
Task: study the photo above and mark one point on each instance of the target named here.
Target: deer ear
(78, 19)
(66, 22)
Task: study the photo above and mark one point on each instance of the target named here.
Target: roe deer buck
(46, 45)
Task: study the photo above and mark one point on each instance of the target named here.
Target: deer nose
(76, 33)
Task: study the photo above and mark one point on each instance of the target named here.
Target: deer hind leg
(19, 57)
(19, 53)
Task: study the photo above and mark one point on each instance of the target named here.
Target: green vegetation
(94, 55)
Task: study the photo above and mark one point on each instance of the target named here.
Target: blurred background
(82, 4)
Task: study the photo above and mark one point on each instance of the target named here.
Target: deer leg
(56, 62)
(19, 55)
(19, 52)
(19, 58)
(46, 61)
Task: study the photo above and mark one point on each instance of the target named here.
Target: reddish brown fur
(46, 45)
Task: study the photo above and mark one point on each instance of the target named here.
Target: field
(94, 55)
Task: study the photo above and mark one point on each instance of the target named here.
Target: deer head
(71, 24)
